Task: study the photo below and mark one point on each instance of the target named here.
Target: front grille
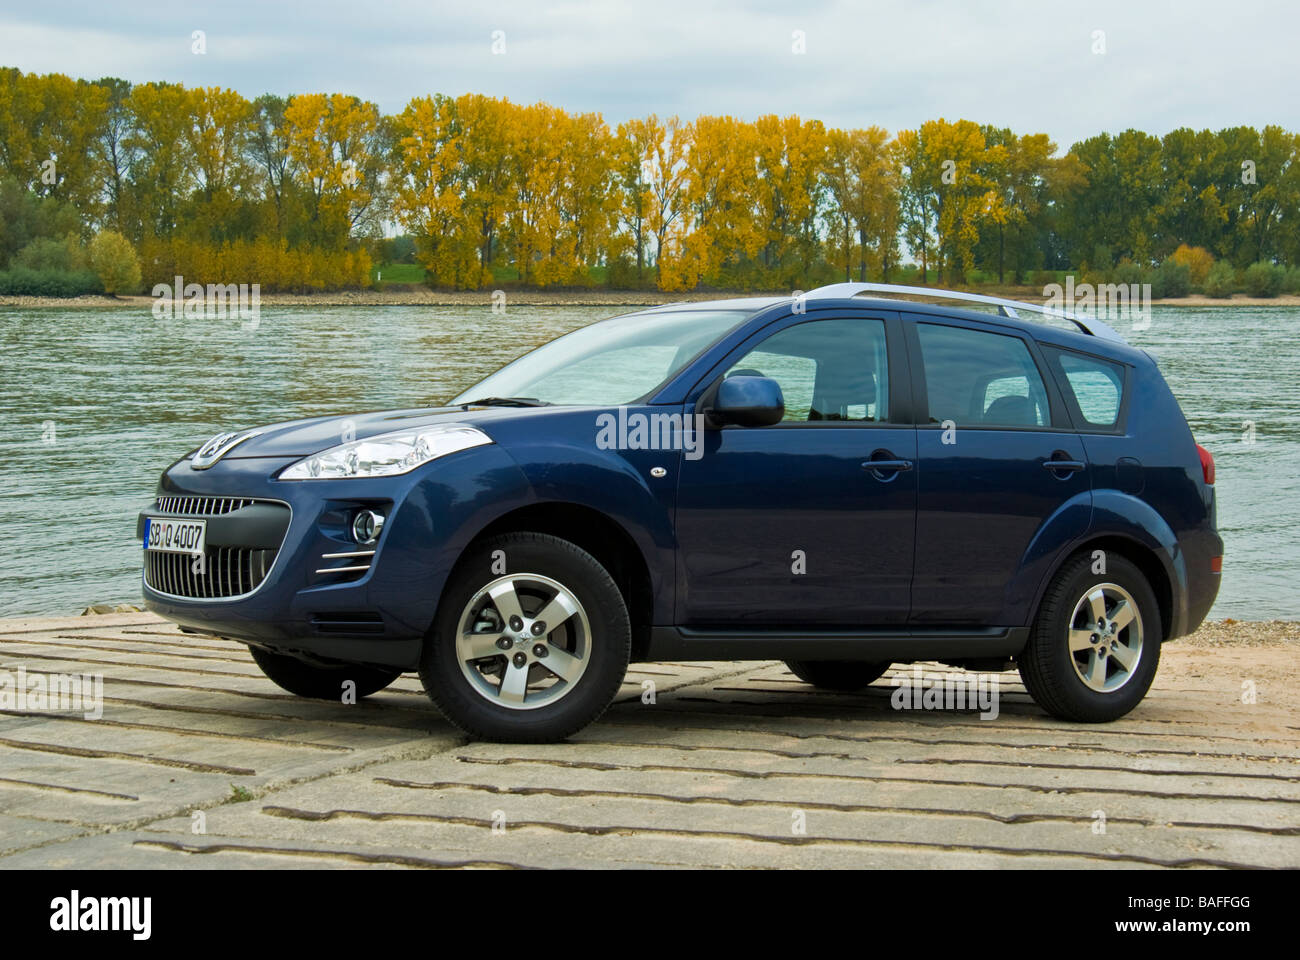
(226, 572)
(203, 506)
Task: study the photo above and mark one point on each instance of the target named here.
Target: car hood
(302, 438)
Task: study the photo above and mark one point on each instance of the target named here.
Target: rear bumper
(1203, 580)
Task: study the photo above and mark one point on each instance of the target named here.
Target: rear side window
(976, 378)
(1093, 387)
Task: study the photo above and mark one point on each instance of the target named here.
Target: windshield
(611, 362)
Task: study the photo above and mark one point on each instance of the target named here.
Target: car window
(977, 378)
(1097, 386)
(829, 370)
(637, 370)
(609, 362)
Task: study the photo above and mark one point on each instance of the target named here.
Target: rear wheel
(321, 682)
(531, 641)
(838, 674)
(1095, 645)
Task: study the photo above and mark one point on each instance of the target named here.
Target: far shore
(423, 296)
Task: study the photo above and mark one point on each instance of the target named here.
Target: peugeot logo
(218, 447)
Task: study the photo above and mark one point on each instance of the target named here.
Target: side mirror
(748, 402)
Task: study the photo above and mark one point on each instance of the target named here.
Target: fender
(1126, 517)
(436, 521)
(1055, 540)
(616, 483)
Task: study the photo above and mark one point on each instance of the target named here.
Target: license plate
(162, 535)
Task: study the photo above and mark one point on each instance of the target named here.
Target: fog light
(366, 526)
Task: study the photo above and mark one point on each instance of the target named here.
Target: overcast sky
(1027, 65)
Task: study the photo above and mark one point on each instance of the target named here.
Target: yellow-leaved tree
(722, 229)
(115, 263)
(790, 157)
(862, 183)
(337, 145)
(428, 197)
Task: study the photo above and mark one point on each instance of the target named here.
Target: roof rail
(1008, 308)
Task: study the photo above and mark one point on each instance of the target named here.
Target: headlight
(387, 454)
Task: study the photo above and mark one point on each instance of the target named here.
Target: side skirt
(690, 643)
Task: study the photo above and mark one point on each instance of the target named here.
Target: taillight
(1207, 464)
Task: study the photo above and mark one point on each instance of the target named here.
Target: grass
(398, 273)
(238, 794)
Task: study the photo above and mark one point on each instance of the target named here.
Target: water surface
(96, 402)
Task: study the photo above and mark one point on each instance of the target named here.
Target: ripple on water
(128, 394)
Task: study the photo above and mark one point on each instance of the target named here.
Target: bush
(26, 282)
(622, 275)
(1126, 272)
(1198, 260)
(273, 265)
(1176, 278)
(1291, 283)
(49, 254)
(113, 258)
(1156, 277)
(1221, 280)
(1264, 279)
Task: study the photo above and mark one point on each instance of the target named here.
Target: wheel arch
(1146, 557)
(599, 535)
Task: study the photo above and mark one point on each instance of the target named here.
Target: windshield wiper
(506, 402)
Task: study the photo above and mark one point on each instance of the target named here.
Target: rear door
(1002, 478)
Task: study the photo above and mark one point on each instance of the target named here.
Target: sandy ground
(199, 761)
(420, 296)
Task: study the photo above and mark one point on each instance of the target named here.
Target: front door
(789, 525)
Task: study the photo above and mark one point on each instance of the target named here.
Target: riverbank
(422, 296)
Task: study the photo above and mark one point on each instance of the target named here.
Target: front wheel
(1095, 645)
(531, 641)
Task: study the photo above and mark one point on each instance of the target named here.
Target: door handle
(1064, 466)
(887, 466)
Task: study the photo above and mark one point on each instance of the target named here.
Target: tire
(542, 686)
(841, 675)
(320, 682)
(1094, 683)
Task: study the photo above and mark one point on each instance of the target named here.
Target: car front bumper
(282, 569)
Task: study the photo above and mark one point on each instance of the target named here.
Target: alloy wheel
(524, 641)
(1105, 637)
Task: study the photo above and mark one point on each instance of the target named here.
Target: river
(96, 402)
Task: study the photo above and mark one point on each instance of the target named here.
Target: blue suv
(832, 480)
